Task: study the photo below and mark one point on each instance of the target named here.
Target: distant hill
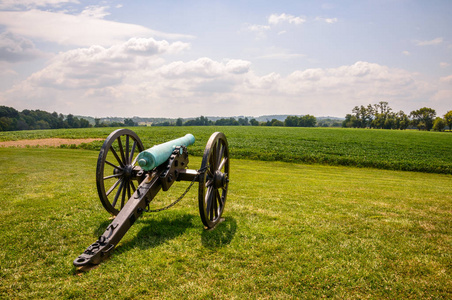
(150, 121)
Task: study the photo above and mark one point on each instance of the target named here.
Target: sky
(224, 58)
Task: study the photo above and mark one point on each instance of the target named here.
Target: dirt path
(46, 142)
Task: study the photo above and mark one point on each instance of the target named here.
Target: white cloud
(14, 4)
(447, 79)
(15, 48)
(204, 68)
(441, 100)
(258, 28)
(327, 20)
(407, 53)
(433, 42)
(5, 70)
(95, 11)
(444, 64)
(143, 46)
(117, 81)
(273, 20)
(99, 67)
(80, 30)
(277, 19)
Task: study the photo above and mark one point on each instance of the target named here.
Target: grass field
(407, 150)
(290, 231)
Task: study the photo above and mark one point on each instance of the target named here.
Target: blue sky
(224, 58)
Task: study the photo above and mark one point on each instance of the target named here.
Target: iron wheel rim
(116, 171)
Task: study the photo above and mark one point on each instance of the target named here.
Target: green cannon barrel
(158, 154)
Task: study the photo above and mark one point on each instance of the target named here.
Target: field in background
(407, 150)
(291, 231)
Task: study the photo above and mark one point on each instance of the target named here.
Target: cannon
(128, 177)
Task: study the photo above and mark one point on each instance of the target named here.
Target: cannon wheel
(116, 173)
(213, 183)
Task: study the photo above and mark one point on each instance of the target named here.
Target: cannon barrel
(158, 154)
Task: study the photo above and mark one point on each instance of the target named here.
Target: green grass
(407, 150)
(291, 231)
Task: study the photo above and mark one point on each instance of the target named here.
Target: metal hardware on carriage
(153, 174)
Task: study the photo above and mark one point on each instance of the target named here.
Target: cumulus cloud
(447, 79)
(80, 30)
(115, 81)
(5, 70)
(147, 47)
(277, 19)
(441, 99)
(98, 67)
(362, 76)
(203, 74)
(95, 11)
(327, 20)
(259, 30)
(433, 42)
(15, 48)
(27, 4)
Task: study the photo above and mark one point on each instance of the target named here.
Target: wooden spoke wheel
(214, 181)
(116, 173)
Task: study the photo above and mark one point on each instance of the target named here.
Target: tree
(307, 121)
(8, 118)
(291, 121)
(423, 118)
(6, 124)
(382, 116)
(448, 119)
(201, 121)
(8, 112)
(254, 122)
(41, 124)
(84, 123)
(276, 122)
(402, 120)
(70, 119)
(243, 122)
(350, 121)
(129, 122)
(179, 122)
(22, 125)
(439, 124)
(359, 114)
(227, 122)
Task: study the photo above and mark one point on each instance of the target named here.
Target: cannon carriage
(128, 178)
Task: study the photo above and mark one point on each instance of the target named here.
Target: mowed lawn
(290, 231)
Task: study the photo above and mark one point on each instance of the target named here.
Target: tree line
(381, 116)
(11, 119)
(290, 121)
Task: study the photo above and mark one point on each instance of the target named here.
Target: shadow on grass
(220, 236)
(101, 228)
(156, 232)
